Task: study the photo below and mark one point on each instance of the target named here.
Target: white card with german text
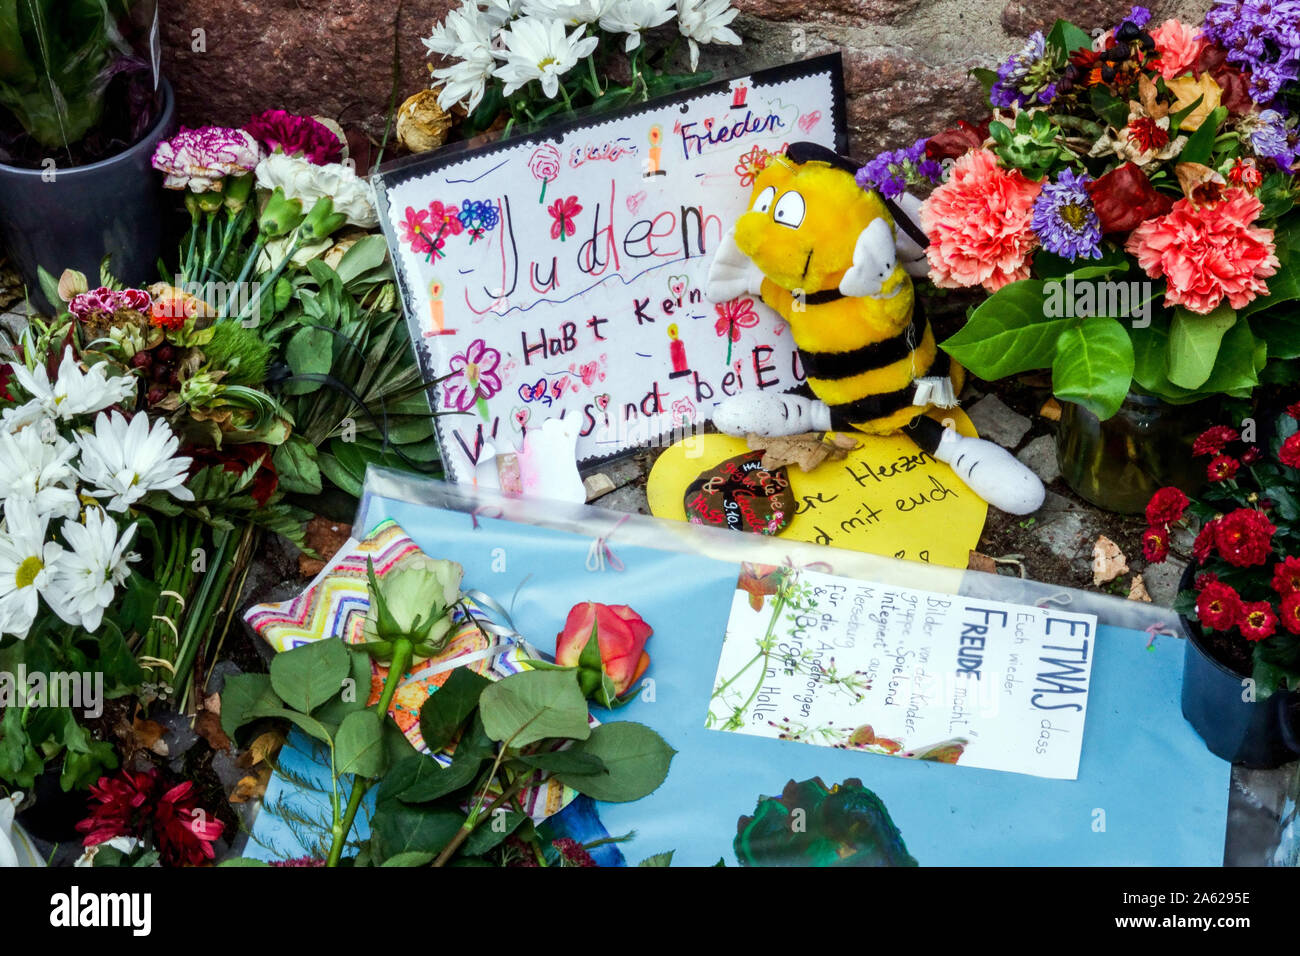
(838, 662)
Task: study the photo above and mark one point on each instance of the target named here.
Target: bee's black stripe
(824, 297)
(871, 407)
(835, 365)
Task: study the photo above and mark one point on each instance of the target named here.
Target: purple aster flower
(1262, 37)
(1138, 16)
(1024, 77)
(892, 171)
(1064, 218)
(1271, 137)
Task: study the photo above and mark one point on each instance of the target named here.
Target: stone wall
(906, 61)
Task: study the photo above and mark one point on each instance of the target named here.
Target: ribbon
(599, 553)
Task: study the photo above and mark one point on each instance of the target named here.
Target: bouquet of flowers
(1247, 582)
(536, 58)
(1153, 164)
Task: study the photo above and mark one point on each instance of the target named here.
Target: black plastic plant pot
(1218, 703)
(72, 217)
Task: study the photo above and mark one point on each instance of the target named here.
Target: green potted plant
(1129, 206)
(1240, 597)
(81, 108)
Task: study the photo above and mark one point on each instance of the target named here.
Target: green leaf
(409, 859)
(307, 676)
(534, 705)
(334, 710)
(447, 708)
(1110, 107)
(1194, 344)
(359, 745)
(308, 725)
(659, 859)
(1009, 332)
(1094, 365)
(564, 761)
(1067, 38)
(401, 828)
(489, 833)
(241, 861)
(244, 697)
(309, 352)
(1200, 145)
(456, 775)
(366, 253)
(636, 762)
(295, 463)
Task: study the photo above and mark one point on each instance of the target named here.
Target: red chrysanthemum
(1294, 410)
(1204, 580)
(1222, 468)
(1203, 546)
(1257, 621)
(1289, 453)
(1244, 537)
(1290, 616)
(1155, 544)
(1212, 440)
(1218, 607)
(1166, 506)
(130, 804)
(1286, 576)
(1251, 455)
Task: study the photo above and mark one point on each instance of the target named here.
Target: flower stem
(402, 651)
(470, 824)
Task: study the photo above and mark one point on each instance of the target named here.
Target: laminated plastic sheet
(1148, 792)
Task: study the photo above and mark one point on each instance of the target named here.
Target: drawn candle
(738, 94)
(656, 152)
(677, 352)
(437, 311)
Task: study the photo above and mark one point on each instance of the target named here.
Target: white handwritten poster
(562, 273)
(888, 670)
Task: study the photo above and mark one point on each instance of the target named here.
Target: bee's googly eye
(789, 210)
(764, 201)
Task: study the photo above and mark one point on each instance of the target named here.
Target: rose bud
(606, 643)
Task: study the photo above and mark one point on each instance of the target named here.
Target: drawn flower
(733, 316)
(473, 376)
(415, 230)
(562, 212)
(751, 164)
(1208, 252)
(980, 224)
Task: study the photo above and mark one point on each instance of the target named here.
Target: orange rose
(607, 645)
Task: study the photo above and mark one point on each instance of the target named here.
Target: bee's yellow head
(803, 221)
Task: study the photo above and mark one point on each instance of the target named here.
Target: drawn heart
(677, 286)
(809, 120)
(708, 124)
(521, 417)
(634, 201)
(588, 373)
(602, 402)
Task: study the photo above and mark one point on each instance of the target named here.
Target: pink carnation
(979, 224)
(1208, 252)
(296, 136)
(1179, 45)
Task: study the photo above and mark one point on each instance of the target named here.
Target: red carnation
(1244, 537)
(1291, 612)
(1257, 620)
(952, 143)
(1286, 576)
(1218, 607)
(1212, 440)
(1166, 506)
(1155, 544)
(1124, 198)
(1289, 453)
(1222, 468)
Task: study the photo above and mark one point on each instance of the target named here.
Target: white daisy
(539, 49)
(571, 12)
(36, 473)
(633, 16)
(465, 81)
(462, 33)
(73, 392)
(27, 566)
(705, 21)
(500, 12)
(88, 576)
(125, 461)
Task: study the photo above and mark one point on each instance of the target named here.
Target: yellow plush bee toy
(821, 251)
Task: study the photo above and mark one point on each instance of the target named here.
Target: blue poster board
(1148, 792)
